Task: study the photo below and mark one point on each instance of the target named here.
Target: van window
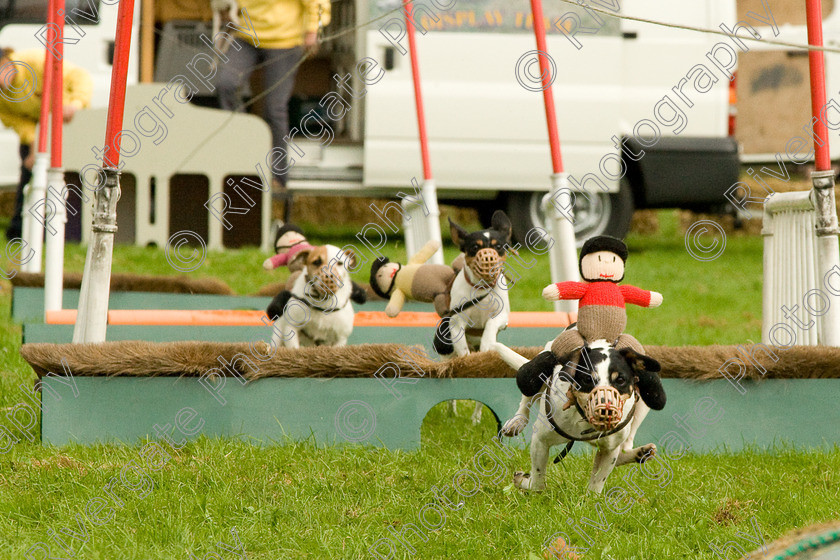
(82, 12)
(499, 16)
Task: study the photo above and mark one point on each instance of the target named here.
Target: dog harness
(572, 439)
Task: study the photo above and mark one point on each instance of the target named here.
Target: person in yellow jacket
(21, 90)
(283, 28)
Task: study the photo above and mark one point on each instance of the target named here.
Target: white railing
(800, 248)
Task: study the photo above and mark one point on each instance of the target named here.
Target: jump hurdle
(124, 388)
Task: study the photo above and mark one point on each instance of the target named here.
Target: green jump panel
(28, 303)
(711, 415)
(167, 333)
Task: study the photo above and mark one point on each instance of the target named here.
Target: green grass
(299, 501)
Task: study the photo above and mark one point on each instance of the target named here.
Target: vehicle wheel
(601, 214)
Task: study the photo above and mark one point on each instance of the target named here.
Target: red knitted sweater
(603, 293)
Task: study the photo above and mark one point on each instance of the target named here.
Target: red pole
(119, 72)
(47, 86)
(57, 93)
(816, 65)
(418, 96)
(548, 97)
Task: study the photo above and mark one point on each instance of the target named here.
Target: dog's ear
(458, 233)
(299, 261)
(501, 223)
(350, 260)
(532, 375)
(645, 370)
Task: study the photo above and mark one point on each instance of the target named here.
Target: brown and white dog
(315, 308)
(601, 400)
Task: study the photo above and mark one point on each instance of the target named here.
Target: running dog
(602, 399)
(478, 298)
(315, 309)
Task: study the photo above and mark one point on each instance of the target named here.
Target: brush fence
(379, 394)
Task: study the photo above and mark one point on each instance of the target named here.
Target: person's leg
(234, 72)
(14, 229)
(279, 80)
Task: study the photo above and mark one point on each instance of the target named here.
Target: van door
(481, 91)
(656, 58)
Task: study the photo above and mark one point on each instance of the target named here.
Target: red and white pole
(92, 318)
(823, 178)
(55, 210)
(563, 255)
(418, 226)
(33, 209)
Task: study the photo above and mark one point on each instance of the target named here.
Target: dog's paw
(522, 480)
(515, 425)
(645, 453)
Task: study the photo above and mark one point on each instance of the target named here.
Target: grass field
(295, 500)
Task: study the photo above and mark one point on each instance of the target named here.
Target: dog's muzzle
(487, 265)
(604, 407)
(326, 283)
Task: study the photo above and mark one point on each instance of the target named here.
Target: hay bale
(135, 283)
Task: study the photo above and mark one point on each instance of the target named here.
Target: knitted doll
(601, 313)
(415, 280)
(288, 242)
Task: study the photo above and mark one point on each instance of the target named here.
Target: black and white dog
(601, 399)
(479, 303)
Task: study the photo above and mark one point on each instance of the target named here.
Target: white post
(32, 228)
(827, 247)
(92, 318)
(563, 256)
(419, 227)
(54, 262)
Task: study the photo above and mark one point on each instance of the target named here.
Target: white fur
(295, 329)
(612, 451)
(491, 314)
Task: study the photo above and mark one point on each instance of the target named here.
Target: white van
(485, 115)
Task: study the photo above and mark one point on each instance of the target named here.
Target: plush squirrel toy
(288, 242)
(415, 280)
(601, 312)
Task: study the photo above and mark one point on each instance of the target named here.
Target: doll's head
(286, 237)
(383, 273)
(602, 259)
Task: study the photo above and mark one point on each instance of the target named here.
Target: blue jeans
(278, 75)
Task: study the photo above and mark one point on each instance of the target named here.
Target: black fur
(374, 268)
(647, 378)
(278, 304)
(530, 377)
(443, 338)
(358, 294)
(500, 231)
